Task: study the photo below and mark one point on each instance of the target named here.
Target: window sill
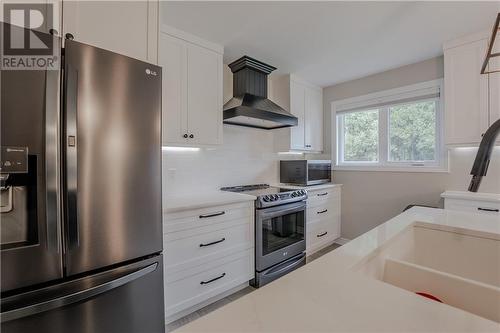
(390, 169)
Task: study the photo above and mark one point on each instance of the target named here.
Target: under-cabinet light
(290, 153)
(164, 148)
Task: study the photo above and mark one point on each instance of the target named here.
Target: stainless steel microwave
(305, 172)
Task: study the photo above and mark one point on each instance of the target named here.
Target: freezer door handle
(71, 147)
(78, 296)
(52, 163)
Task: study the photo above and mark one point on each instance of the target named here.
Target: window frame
(385, 100)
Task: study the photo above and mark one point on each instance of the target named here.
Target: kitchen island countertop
(327, 295)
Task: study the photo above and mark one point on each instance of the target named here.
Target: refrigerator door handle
(52, 162)
(71, 149)
(76, 296)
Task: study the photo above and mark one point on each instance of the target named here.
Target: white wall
(371, 198)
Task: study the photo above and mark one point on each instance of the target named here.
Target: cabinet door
(466, 93)
(297, 108)
(494, 92)
(204, 95)
(126, 27)
(313, 119)
(173, 59)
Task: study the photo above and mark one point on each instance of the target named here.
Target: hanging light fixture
(490, 53)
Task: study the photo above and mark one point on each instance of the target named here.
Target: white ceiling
(331, 42)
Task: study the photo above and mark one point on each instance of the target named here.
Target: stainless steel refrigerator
(81, 232)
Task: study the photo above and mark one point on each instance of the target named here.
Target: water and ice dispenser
(17, 196)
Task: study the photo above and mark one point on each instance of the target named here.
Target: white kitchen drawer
(318, 197)
(193, 247)
(320, 212)
(185, 289)
(319, 234)
(492, 208)
(197, 218)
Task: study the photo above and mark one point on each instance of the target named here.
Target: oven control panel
(270, 200)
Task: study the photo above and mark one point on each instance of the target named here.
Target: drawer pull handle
(488, 209)
(323, 234)
(212, 215)
(214, 279)
(322, 211)
(212, 243)
(322, 194)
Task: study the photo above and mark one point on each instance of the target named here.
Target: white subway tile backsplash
(246, 157)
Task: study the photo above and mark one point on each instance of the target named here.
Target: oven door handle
(287, 265)
(274, 213)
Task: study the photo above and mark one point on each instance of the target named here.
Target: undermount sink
(460, 268)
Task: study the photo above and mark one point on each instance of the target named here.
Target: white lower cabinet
(186, 289)
(483, 203)
(207, 253)
(323, 218)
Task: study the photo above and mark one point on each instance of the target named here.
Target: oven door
(280, 234)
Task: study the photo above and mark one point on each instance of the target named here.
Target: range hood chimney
(250, 107)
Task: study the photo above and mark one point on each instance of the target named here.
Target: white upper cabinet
(298, 109)
(494, 84)
(304, 101)
(204, 92)
(126, 27)
(313, 131)
(471, 99)
(192, 89)
(173, 59)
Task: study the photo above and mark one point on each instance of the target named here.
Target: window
(412, 132)
(360, 137)
(393, 130)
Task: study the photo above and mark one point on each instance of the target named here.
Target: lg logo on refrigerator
(150, 72)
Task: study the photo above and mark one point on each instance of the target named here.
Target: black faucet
(482, 160)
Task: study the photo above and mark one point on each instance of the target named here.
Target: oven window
(282, 231)
(319, 171)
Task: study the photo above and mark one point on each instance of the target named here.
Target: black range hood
(250, 107)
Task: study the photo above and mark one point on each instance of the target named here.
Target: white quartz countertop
(311, 187)
(327, 295)
(176, 203)
(477, 196)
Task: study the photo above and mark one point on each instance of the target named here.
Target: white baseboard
(342, 241)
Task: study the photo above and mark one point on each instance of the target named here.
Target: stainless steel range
(280, 230)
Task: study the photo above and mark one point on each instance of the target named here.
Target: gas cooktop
(269, 196)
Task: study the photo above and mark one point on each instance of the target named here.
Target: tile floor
(226, 300)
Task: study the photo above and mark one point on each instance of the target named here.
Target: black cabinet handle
(322, 211)
(185, 136)
(212, 243)
(191, 136)
(322, 194)
(214, 279)
(308, 146)
(323, 234)
(488, 209)
(212, 215)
